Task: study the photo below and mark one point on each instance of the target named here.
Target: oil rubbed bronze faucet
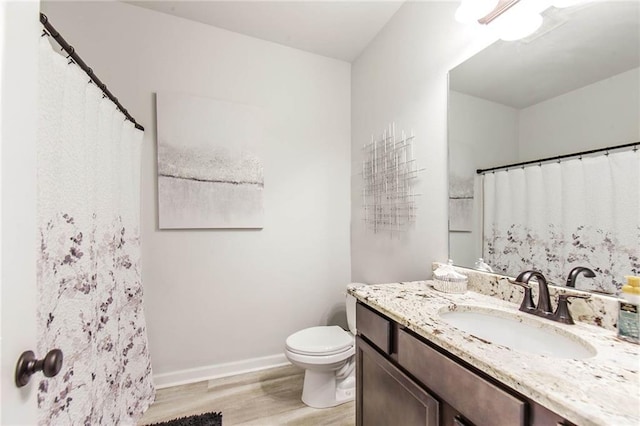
(543, 307)
(573, 275)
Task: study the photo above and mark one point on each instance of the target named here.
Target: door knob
(50, 365)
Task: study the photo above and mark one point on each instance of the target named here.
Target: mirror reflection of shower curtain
(553, 217)
(89, 288)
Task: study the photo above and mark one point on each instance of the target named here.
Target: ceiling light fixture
(516, 25)
(507, 19)
(471, 11)
(501, 7)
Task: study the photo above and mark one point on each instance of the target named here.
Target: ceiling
(337, 29)
(575, 47)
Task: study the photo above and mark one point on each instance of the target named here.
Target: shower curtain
(89, 288)
(553, 217)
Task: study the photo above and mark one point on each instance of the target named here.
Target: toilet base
(323, 390)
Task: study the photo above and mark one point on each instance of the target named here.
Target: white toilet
(327, 355)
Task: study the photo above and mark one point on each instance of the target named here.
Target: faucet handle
(527, 301)
(576, 296)
(562, 313)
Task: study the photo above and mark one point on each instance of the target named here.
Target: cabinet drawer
(477, 399)
(374, 327)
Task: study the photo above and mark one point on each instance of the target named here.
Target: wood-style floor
(268, 397)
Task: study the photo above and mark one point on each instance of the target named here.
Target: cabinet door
(386, 396)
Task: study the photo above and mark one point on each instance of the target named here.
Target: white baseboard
(192, 375)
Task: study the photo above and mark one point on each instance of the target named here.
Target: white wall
(482, 134)
(220, 296)
(402, 77)
(602, 114)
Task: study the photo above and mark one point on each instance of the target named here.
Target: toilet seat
(320, 361)
(320, 341)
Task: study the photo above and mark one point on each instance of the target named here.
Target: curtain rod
(74, 56)
(559, 157)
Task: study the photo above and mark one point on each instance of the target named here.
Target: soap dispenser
(629, 314)
(480, 265)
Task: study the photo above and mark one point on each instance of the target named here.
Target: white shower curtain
(90, 293)
(553, 217)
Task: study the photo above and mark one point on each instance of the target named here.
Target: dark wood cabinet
(402, 379)
(481, 401)
(386, 394)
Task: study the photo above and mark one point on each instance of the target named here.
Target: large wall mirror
(573, 86)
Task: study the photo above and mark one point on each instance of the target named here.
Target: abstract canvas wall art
(461, 202)
(210, 172)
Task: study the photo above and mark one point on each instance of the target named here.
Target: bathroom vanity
(414, 368)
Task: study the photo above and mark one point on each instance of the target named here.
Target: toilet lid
(325, 340)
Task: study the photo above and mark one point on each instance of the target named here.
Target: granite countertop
(602, 390)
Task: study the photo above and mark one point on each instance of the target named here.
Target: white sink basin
(518, 332)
